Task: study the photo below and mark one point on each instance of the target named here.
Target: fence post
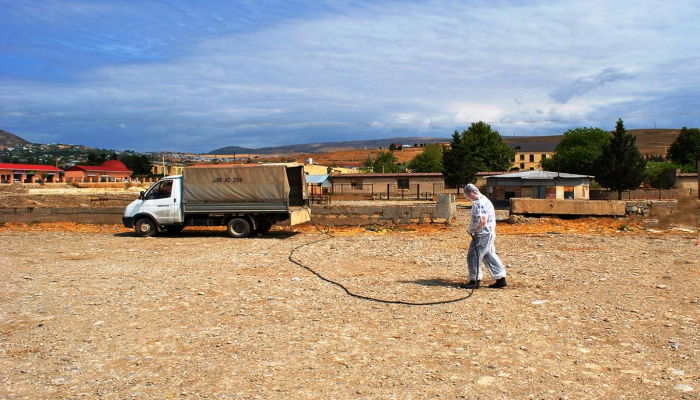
(418, 191)
(387, 191)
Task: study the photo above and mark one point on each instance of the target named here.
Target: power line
(321, 124)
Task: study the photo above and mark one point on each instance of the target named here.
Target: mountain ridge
(8, 139)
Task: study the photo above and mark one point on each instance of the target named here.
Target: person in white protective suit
(483, 231)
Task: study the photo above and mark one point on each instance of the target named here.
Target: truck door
(161, 201)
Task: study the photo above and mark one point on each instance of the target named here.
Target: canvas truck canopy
(237, 183)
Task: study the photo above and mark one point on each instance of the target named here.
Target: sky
(197, 76)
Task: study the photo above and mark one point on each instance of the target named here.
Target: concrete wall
(567, 207)
(81, 215)
(387, 215)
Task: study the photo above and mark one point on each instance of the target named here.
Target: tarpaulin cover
(235, 184)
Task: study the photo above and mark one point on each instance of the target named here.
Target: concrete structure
(79, 215)
(555, 207)
(529, 154)
(387, 215)
(687, 182)
(539, 185)
(29, 173)
(109, 171)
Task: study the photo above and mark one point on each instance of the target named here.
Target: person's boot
(500, 283)
(470, 285)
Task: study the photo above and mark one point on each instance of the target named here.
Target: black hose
(361, 297)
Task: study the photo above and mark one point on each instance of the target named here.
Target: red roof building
(28, 173)
(109, 171)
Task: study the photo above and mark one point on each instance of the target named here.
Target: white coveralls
(483, 240)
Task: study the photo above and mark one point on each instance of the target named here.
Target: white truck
(246, 198)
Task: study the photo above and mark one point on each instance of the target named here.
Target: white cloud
(436, 62)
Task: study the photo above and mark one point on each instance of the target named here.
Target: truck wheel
(175, 228)
(145, 227)
(238, 228)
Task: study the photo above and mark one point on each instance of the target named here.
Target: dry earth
(591, 312)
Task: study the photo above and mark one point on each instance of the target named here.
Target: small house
(538, 185)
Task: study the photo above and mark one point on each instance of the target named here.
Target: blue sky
(185, 76)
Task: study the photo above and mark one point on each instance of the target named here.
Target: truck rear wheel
(145, 227)
(238, 227)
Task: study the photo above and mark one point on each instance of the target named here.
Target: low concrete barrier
(522, 206)
(80, 215)
(383, 215)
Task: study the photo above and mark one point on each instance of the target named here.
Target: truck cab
(158, 208)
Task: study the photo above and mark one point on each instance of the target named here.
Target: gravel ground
(104, 314)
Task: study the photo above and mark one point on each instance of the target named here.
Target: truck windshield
(160, 190)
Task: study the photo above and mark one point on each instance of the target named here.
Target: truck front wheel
(238, 228)
(145, 227)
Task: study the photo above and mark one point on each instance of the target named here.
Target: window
(160, 190)
(403, 183)
(522, 157)
(544, 156)
(569, 192)
(532, 158)
(522, 165)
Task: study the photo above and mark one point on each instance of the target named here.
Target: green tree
(656, 174)
(384, 162)
(685, 150)
(479, 148)
(96, 159)
(578, 152)
(430, 160)
(621, 165)
(140, 164)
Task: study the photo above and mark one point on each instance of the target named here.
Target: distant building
(159, 168)
(29, 173)
(528, 155)
(109, 171)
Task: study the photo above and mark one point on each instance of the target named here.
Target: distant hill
(329, 146)
(7, 139)
(649, 141)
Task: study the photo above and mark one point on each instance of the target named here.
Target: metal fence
(417, 191)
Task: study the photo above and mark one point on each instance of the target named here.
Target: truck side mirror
(141, 195)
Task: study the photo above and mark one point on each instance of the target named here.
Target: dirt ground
(595, 309)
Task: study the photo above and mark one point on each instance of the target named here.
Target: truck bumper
(128, 222)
